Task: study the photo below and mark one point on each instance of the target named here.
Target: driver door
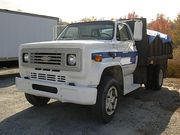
(126, 48)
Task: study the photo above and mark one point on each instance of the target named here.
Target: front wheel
(36, 100)
(107, 99)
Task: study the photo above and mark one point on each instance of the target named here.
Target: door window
(123, 33)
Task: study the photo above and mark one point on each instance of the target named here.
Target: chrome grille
(51, 58)
(48, 77)
(46, 58)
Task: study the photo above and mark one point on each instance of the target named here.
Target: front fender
(96, 70)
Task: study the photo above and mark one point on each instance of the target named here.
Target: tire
(155, 78)
(158, 79)
(107, 99)
(36, 100)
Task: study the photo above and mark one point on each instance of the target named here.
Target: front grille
(46, 58)
(50, 59)
(48, 77)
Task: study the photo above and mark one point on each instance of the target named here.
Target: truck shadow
(140, 112)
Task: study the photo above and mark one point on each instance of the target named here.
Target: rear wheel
(36, 100)
(158, 79)
(155, 78)
(107, 99)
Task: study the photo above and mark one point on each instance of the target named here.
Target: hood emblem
(45, 58)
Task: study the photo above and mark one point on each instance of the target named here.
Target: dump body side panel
(156, 52)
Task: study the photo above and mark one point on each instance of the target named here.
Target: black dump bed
(152, 50)
(159, 47)
(153, 45)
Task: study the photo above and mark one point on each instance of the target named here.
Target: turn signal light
(98, 58)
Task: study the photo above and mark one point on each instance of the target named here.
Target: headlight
(71, 59)
(25, 57)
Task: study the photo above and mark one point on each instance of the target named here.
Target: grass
(174, 64)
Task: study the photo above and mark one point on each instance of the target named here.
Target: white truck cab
(90, 63)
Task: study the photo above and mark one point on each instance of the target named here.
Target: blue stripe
(115, 54)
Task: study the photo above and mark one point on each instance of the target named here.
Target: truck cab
(91, 63)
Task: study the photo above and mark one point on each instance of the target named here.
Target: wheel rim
(160, 77)
(111, 100)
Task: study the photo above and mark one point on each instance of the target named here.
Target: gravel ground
(142, 112)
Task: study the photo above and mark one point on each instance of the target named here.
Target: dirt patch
(143, 112)
(172, 82)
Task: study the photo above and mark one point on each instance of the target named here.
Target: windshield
(88, 31)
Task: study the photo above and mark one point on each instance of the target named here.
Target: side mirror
(138, 27)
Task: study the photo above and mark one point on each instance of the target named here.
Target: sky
(75, 10)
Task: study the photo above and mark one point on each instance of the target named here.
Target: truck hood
(68, 44)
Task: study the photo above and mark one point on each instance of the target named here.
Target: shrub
(174, 64)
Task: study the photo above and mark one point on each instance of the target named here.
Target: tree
(130, 16)
(61, 22)
(161, 24)
(176, 31)
(89, 19)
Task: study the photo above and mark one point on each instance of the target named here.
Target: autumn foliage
(172, 28)
(161, 24)
(176, 31)
(131, 15)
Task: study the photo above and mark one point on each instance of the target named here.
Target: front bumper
(65, 93)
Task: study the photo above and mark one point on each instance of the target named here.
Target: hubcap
(111, 100)
(160, 77)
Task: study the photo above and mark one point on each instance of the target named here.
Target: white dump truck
(94, 63)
